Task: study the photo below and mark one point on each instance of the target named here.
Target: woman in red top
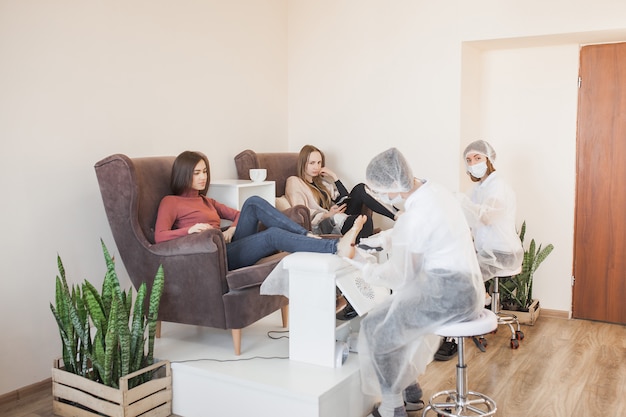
(189, 210)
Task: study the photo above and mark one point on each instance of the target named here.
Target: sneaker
(447, 350)
(416, 406)
(412, 404)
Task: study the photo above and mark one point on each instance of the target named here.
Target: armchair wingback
(199, 289)
(279, 165)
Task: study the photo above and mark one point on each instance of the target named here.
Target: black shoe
(447, 350)
(348, 313)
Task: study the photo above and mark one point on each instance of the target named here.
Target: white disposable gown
(490, 213)
(435, 278)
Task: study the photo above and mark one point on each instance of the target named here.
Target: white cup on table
(258, 174)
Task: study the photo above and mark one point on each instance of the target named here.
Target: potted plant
(103, 339)
(516, 293)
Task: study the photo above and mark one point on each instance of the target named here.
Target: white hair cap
(481, 147)
(389, 172)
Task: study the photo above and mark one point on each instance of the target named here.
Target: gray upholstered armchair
(199, 290)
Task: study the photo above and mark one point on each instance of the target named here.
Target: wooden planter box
(529, 317)
(75, 396)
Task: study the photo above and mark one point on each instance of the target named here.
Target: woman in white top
(333, 208)
(490, 212)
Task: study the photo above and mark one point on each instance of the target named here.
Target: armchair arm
(195, 270)
(299, 214)
(195, 243)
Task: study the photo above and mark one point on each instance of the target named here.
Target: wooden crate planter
(529, 317)
(75, 396)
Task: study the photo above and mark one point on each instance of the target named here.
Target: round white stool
(462, 402)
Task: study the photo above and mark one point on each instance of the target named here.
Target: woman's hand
(228, 234)
(199, 227)
(327, 173)
(336, 209)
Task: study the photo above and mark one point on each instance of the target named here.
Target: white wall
(80, 80)
(431, 77)
(367, 75)
(528, 113)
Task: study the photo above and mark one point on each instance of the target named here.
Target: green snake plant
(518, 290)
(103, 336)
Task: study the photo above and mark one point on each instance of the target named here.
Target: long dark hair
(324, 199)
(182, 172)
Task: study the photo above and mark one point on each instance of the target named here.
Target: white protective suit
(435, 278)
(490, 212)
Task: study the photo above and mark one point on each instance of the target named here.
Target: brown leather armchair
(199, 289)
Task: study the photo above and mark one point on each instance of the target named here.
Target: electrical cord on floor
(269, 334)
(230, 360)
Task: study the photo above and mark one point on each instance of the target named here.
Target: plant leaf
(153, 311)
(110, 343)
(124, 342)
(533, 257)
(138, 329)
(94, 304)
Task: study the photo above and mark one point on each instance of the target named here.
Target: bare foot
(345, 246)
(314, 236)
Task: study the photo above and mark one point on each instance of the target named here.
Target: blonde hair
(323, 199)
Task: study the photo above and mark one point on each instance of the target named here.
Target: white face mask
(479, 170)
(396, 200)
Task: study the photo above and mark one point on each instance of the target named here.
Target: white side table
(234, 192)
(314, 333)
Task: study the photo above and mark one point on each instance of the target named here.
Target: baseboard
(20, 393)
(557, 314)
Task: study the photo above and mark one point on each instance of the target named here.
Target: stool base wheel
(451, 405)
(505, 318)
(516, 332)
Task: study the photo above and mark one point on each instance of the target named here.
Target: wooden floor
(563, 368)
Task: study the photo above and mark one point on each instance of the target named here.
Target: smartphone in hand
(343, 200)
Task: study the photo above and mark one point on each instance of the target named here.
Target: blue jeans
(282, 234)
